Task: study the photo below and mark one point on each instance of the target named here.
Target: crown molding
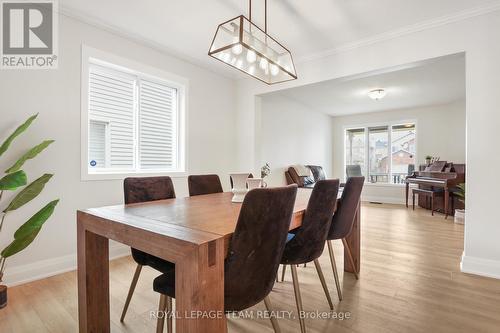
(138, 39)
(425, 25)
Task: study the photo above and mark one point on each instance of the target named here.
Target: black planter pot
(3, 296)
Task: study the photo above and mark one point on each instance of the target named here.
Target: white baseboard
(479, 266)
(42, 269)
(386, 200)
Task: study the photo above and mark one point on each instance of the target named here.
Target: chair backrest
(204, 184)
(294, 177)
(257, 246)
(143, 189)
(353, 171)
(231, 180)
(302, 181)
(343, 219)
(318, 172)
(309, 240)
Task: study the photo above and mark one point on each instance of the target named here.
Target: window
(403, 151)
(378, 143)
(385, 153)
(355, 148)
(133, 122)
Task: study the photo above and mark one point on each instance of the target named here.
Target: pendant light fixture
(243, 45)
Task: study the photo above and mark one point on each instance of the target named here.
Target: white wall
(56, 95)
(475, 34)
(440, 132)
(292, 133)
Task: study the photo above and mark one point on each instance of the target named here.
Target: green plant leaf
(5, 145)
(14, 180)
(32, 153)
(36, 221)
(28, 193)
(27, 233)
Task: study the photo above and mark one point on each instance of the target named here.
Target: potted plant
(460, 213)
(264, 172)
(428, 160)
(14, 179)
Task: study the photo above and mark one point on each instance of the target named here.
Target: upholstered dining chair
(353, 171)
(308, 242)
(204, 184)
(254, 255)
(342, 223)
(137, 190)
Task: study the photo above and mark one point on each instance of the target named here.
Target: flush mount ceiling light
(377, 94)
(243, 45)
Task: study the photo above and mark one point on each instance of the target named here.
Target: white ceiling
(186, 27)
(435, 82)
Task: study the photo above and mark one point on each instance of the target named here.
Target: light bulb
(251, 56)
(239, 64)
(264, 64)
(237, 49)
(251, 70)
(225, 56)
(274, 70)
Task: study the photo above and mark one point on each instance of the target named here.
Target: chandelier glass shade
(243, 45)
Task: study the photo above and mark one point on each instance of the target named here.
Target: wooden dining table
(194, 233)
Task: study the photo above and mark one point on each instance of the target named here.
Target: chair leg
(160, 321)
(334, 267)
(298, 298)
(169, 315)
(283, 273)
(131, 291)
(323, 283)
(432, 205)
(274, 321)
(413, 201)
(351, 259)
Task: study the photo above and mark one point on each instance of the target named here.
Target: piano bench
(427, 194)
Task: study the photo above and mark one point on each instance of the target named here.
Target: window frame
(366, 126)
(94, 56)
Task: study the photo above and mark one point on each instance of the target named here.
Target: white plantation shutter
(132, 121)
(112, 100)
(157, 126)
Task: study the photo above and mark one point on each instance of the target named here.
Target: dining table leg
(199, 290)
(354, 242)
(93, 281)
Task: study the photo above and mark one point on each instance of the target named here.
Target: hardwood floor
(410, 282)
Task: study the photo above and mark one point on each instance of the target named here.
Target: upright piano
(439, 175)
